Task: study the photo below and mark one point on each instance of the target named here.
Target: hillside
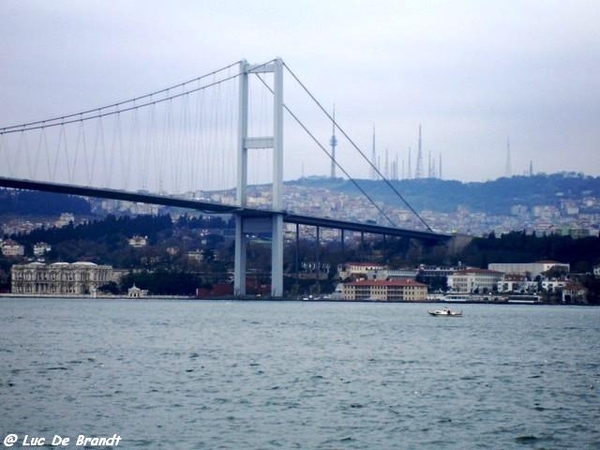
(492, 197)
(29, 203)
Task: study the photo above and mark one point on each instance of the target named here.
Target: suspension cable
(313, 137)
(76, 117)
(387, 182)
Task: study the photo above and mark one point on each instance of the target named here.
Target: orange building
(385, 290)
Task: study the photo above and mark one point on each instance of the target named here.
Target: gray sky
(471, 72)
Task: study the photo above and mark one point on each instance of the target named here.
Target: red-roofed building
(385, 290)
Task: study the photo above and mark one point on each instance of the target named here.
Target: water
(262, 375)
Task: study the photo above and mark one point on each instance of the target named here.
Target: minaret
(409, 172)
(508, 167)
(333, 143)
(419, 168)
(440, 168)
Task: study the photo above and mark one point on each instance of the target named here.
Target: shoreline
(281, 299)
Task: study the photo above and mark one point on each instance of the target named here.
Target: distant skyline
(471, 73)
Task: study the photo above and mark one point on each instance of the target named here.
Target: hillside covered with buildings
(525, 220)
(558, 203)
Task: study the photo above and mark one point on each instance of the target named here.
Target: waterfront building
(59, 278)
(136, 292)
(532, 270)
(553, 285)
(516, 283)
(474, 281)
(385, 290)
(574, 293)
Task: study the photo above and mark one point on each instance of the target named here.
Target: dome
(84, 264)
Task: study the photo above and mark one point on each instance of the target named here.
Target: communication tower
(508, 170)
(419, 168)
(333, 143)
(373, 158)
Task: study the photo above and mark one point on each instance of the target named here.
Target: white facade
(519, 286)
(138, 241)
(532, 269)
(357, 269)
(41, 248)
(474, 281)
(389, 274)
(136, 292)
(553, 285)
(12, 248)
(60, 278)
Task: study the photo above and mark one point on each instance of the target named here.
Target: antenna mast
(508, 165)
(374, 158)
(419, 169)
(333, 143)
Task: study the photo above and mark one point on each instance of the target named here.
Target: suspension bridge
(205, 144)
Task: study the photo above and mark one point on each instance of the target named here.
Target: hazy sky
(471, 72)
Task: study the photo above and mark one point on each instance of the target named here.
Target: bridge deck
(218, 208)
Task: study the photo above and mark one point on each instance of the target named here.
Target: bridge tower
(272, 222)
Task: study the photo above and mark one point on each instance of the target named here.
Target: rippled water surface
(306, 375)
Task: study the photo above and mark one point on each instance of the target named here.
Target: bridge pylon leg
(241, 243)
(245, 144)
(277, 256)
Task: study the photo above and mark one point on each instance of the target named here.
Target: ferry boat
(456, 298)
(524, 299)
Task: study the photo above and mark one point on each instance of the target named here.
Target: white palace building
(60, 278)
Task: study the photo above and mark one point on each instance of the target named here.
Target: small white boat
(445, 312)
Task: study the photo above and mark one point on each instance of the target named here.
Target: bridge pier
(245, 226)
